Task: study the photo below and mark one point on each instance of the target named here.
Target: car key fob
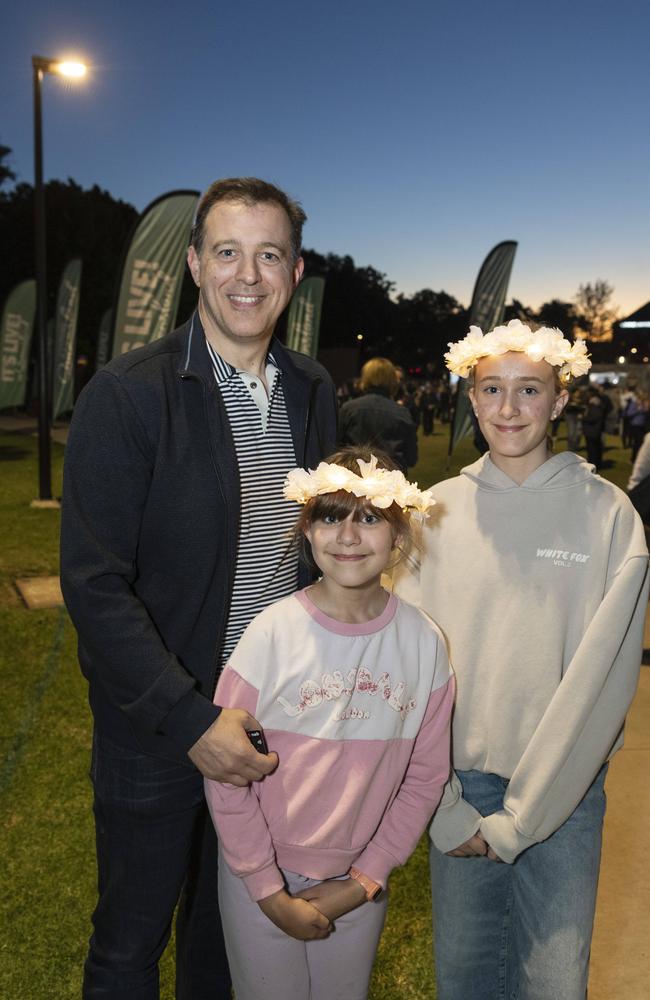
(256, 736)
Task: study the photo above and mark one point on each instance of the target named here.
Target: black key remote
(256, 736)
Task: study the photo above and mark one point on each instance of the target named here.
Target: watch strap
(372, 889)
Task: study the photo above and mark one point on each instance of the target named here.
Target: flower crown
(381, 487)
(544, 344)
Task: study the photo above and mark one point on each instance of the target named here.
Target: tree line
(412, 330)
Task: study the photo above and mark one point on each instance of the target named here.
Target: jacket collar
(196, 360)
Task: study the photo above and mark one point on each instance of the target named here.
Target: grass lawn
(46, 831)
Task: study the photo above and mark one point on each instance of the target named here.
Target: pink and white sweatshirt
(360, 718)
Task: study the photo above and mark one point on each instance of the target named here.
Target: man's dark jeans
(155, 840)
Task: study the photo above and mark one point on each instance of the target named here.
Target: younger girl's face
(514, 399)
(351, 551)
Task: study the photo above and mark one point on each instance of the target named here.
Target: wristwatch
(372, 888)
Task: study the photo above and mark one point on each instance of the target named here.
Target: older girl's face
(514, 399)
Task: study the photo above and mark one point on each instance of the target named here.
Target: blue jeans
(520, 931)
(155, 842)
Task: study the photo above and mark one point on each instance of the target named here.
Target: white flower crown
(545, 344)
(381, 487)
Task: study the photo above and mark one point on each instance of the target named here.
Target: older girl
(536, 570)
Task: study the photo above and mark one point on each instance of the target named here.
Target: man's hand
(224, 752)
(335, 896)
(475, 847)
(296, 917)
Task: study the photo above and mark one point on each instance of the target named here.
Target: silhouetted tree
(517, 310)
(6, 173)
(357, 300)
(596, 315)
(90, 224)
(428, 321)
(411, 330)
(561, 315)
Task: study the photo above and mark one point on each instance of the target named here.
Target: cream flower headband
(544, 344)
(381, 487)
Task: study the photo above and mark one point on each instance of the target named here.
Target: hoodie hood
(558, 472)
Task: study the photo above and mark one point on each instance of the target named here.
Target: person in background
(627, 393)
(612, 419)
(638, 486)
(636, 414)
(375, 420)
(593, 425)
(573, 413)
(409, 397)
(536, 570)
(641, 468)
(167, 553)
(427, 400)
(444, 400)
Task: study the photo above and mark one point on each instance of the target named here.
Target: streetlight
(72, 70)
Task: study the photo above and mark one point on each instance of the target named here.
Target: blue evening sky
(416, 134)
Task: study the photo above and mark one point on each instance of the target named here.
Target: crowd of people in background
(597, 409)
(427, 400)
(594, 410)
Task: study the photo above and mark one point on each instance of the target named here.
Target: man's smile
(245, 300)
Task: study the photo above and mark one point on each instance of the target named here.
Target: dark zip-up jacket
(150, 523)
(375, 419)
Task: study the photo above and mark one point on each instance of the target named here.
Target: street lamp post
(40, 66)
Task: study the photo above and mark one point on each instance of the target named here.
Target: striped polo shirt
(267, 563)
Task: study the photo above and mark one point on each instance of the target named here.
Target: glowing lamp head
(71, 69)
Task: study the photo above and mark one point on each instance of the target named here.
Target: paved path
(620, 959)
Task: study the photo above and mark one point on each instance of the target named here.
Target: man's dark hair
(252, 191)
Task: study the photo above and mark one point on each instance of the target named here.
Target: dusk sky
(416, 134)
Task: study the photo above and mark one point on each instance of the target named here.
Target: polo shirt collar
(223, 370)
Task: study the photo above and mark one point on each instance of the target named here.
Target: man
(173, 538)
(374, 418)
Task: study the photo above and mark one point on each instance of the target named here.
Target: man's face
(245, 273)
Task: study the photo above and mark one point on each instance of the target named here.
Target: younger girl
(354, 691)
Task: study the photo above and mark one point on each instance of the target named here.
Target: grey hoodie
(541, 590)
